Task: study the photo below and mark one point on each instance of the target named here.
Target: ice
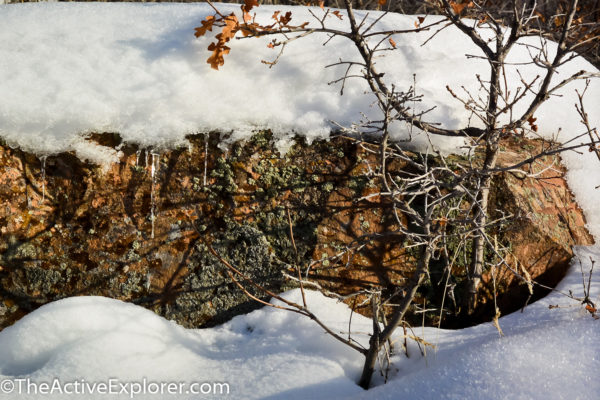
(153, 177)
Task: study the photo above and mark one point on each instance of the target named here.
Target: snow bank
(94, 339)
(545, 354)
(273, 354)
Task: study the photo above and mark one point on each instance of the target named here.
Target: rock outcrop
(139, 231)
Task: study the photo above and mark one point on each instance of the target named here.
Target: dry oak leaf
(206, 26)
(419, 22)
(249, 4)
(531, 120)
(459, 8)
(285, 19)
(219, 50)
(230, 28)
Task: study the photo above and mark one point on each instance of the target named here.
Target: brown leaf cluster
(230, 25)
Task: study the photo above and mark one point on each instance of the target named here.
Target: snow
(274, 354)
(77, 68)
(137, 69)
(545, 354)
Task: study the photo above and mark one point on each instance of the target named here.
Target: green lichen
(262, 139)
(224, 173)
(209, 291)
(26, 251)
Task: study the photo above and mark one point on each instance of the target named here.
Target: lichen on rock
(77, 229)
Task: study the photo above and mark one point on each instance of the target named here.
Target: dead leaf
(531, 121)
(230, 28)
(458, 8)
(206, 26)
(249, 4)
(392, 42)
(558, 21)
(284, 20)
(216, 59)
(590, 308)
(419, 22)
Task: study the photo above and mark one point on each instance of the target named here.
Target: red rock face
(71, 229)
(547, 223)
(536, 241)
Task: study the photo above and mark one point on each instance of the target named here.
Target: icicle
(205, 157)
(153, 170)
(43, 160)
(148, 280)
(137, 157)
(146, 162)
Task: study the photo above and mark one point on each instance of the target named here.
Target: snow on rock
(274, 354)
(138, 70)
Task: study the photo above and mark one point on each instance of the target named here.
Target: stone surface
(69, 228)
